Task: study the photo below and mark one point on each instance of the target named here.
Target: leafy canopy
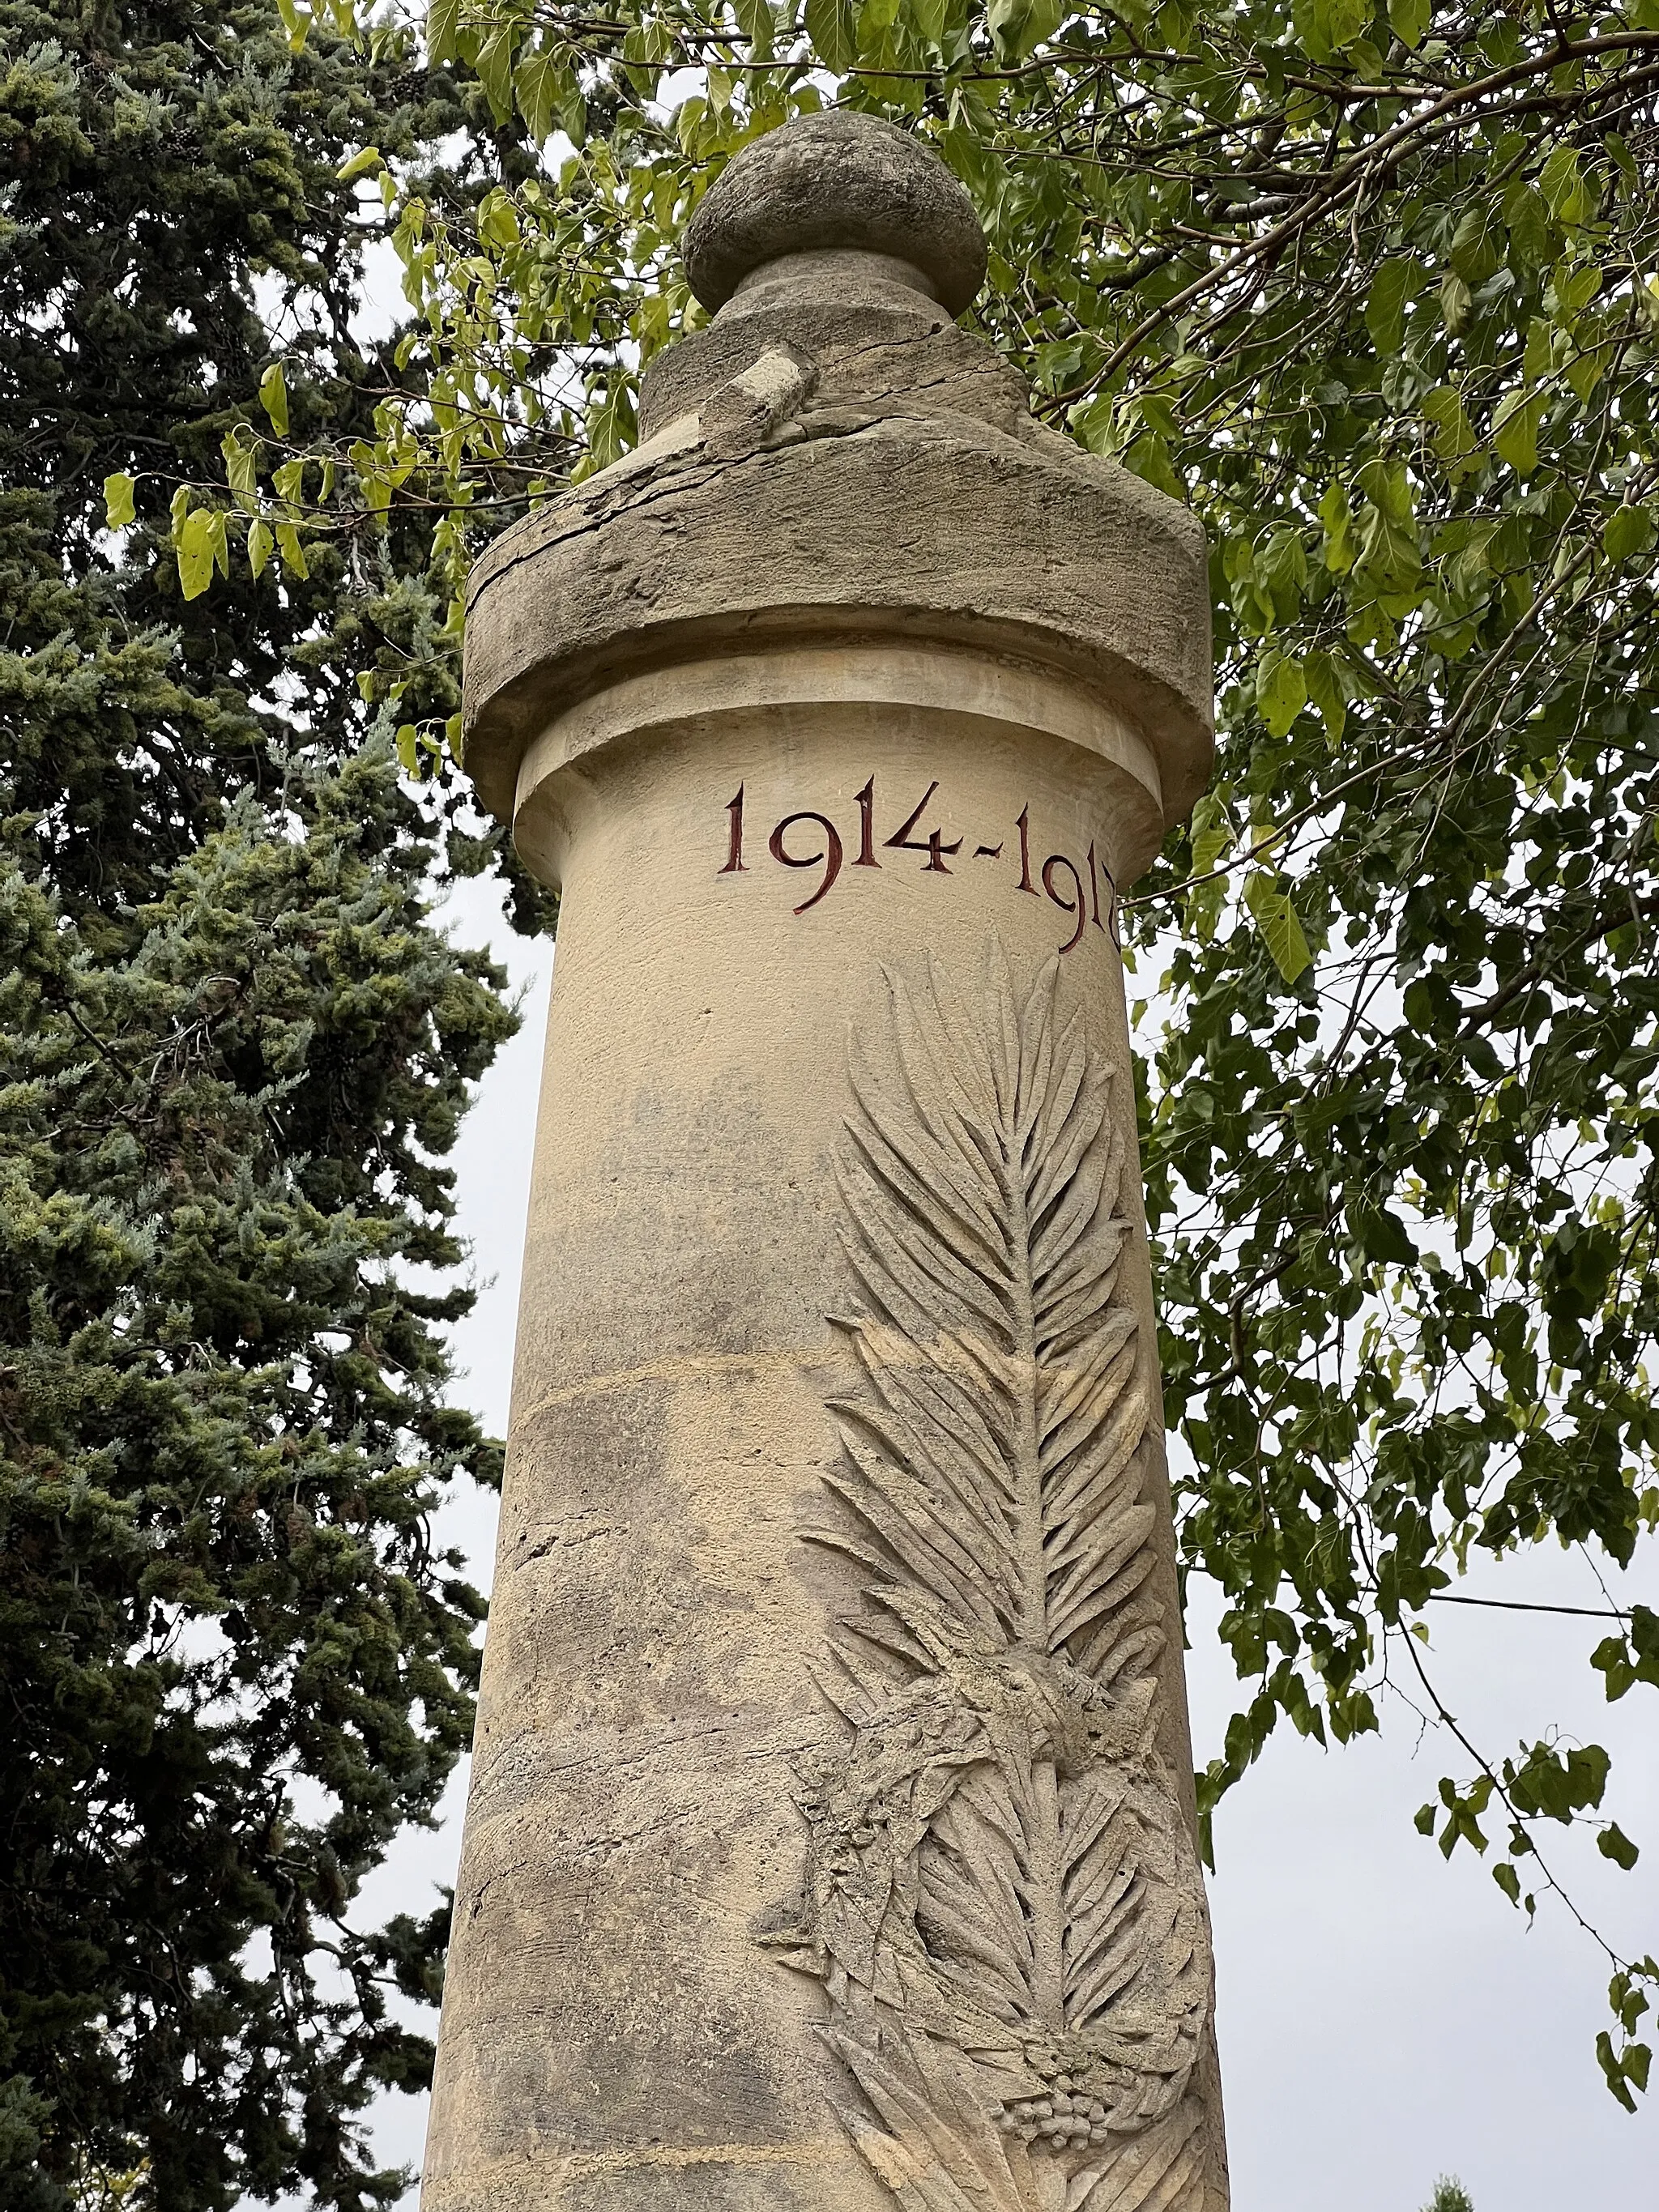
(1373, 288)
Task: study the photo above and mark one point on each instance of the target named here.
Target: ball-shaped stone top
(840, 180)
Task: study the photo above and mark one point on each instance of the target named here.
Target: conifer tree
(235, 1047)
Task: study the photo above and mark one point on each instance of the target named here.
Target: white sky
(1384, 2017)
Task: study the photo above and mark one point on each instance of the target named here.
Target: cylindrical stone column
(829, 1843)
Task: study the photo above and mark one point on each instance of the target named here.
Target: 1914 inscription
(810, 839)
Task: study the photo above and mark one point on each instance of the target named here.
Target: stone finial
(838, 180)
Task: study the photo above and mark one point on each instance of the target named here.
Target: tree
(1370, 286)
(1449, 2196)
(236, 1047)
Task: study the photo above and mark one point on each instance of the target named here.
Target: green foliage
(1374, 289)
(1449, 2196)
(235, 1051)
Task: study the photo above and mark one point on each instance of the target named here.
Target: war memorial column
(830, 1845)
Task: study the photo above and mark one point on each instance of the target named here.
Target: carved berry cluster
(1064, 2117)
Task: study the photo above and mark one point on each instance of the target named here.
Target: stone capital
(833, 460)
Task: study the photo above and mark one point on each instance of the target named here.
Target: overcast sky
(1384, 2017)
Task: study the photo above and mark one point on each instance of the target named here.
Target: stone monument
(830, 1845)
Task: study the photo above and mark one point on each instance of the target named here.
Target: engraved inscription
(1001, 1900)
(1072, 882)
(830, 857)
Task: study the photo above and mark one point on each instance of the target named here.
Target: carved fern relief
(1001, 1899)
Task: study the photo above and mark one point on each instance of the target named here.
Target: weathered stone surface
(877, 343)
(894, 483)
(933, 526)
(829, 1846)
(839, 179)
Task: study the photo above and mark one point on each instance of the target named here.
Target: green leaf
(1455, 441)
(1017, 27)
(536, 88)
(1381, 1235)
(1627, 533)
(1389, 556)
(1571, 290)
(1337, 516)
(1325, 693)
(1387, 487)
(288, 481)
(1559, 173)
(495, 67)
(645, 49)
(118, 510)
(757, 22)
(1148, 457)
(573, 109)
(1281, 692)
(833, 28)
(1455, 301)
(1571, 195)
(1586, 370)
(359, 165)
(1527, 218)
(1327, 27)
(1385, 304)
(242, 468)
(1270, 908)
(1515, 430)
(293, 553)
(273, 398)
(1281, 567)
(408, 742)
(1210, 834)
(196, 548)
(498, 219)
(260, 543)
(1538, 356)
(1613, 2071)
(443, 24)
(1210, 839)
(1632, 1657)
(612, 423)
(1509, 1882)
(1613, 1844)
(1472, 253)
(1410, 19)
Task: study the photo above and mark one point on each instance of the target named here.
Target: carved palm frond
(1002, 1901)
(991, 1468)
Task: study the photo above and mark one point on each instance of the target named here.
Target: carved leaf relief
(1001, 1899)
